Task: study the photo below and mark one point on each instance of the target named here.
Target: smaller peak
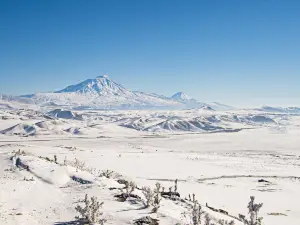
(181, 96)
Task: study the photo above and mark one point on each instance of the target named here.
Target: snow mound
(74, 130)
(260, 119)
(249, 119)
(5, 105)
(65, 114)
(21, 129)
(182, 125)
(138, 123)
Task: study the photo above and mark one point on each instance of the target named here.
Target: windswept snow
(223, 157)
(20, 129)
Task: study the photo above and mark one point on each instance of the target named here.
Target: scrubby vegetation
(90, 208)
(90, 213)
(253, 208)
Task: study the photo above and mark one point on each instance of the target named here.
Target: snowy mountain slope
(102, 93)
(193, 103)
(270, 109)
(180, 96)
(58, 113)
(219, 106)
(188, 101)
(102, 85)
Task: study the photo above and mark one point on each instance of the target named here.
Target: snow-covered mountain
(101, 86)
(192, 103)
(102, 93)
(180, 96)
(189, 102)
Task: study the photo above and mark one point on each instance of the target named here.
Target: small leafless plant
(106, 173)
(148, 193)
(207, 219)
(152, 197)
(194, 216)
(55, 158)
(90, 213)
(157, 197)
(129, 187)
(224, 222)
(176, 185)
(19, 152)
(196, 213)
(253, 211)
(79, 165)
(65, 161)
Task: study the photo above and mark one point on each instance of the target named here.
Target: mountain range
(103, 93)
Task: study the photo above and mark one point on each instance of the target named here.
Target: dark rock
(123, 197)
(170, 194)
(146, 220)
(263, 181)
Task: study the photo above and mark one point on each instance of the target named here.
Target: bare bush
(196, 213)
(152, 197)
(156, 198)
(90, 213)
(207, 220)
(106, 173)
(194, 216)
(79, 165)
(148, 193)
(129, 187)
(253, 211)
(176, 185)
(224, 222)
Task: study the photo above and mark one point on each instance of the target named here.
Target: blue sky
(240, 52)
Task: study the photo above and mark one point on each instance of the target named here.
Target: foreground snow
(222, 169)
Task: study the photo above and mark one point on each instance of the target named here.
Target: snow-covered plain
(219, 156)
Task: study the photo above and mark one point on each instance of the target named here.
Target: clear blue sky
(240, 52)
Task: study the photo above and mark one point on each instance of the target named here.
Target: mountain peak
(101, 85)
(103, 93)
(181, 96)
(105, 76)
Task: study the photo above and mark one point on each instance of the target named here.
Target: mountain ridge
(103, 93)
